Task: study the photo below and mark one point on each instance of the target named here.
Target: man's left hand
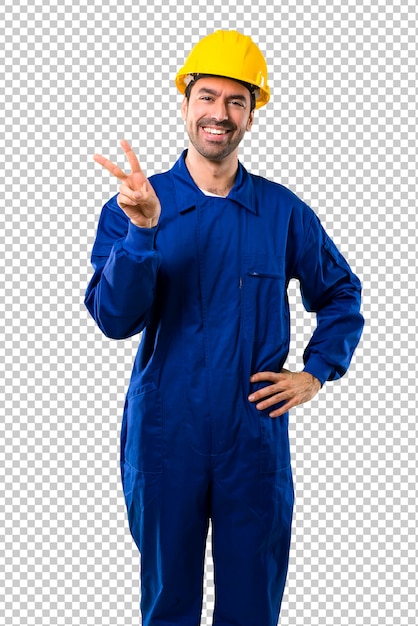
(292, 388)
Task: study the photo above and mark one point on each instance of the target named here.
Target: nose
(219, 111)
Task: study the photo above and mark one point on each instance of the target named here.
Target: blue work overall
(208, 288)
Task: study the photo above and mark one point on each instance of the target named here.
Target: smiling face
(217, 115)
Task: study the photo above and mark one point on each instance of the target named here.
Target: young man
(199, 258)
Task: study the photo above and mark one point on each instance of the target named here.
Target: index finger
(110, 167)
(130, 155)
(264, 376)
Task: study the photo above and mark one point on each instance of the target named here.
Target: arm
(121, 292)
(331, 290)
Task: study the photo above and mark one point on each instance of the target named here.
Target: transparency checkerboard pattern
(340, 131)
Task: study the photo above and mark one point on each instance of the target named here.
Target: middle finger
(130, 155)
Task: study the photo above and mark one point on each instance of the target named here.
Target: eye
(238, 103)
(205, 98)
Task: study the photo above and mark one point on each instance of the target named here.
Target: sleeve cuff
(140, 240)
(318, 368)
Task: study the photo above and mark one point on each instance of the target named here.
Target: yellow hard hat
(229, 54)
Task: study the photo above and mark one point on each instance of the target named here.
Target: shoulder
(276, 194)
(275, 189)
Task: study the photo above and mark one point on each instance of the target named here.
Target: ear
(184, 108)
(250, 120)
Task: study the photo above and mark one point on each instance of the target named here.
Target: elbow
(112, 333)
(112, 326)
(119, 328)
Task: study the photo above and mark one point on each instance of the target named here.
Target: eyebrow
(213, 92)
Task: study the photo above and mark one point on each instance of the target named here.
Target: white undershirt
(210, 194)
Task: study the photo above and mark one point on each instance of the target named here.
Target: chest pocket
(265, 309)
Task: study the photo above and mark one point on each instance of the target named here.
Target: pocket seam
(264, 328)
(137, 426)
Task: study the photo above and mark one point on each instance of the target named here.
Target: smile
(215, 131)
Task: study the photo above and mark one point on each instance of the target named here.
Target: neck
(216, 177)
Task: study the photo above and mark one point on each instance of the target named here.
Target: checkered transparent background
(340, 131)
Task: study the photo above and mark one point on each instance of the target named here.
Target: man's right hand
(136, 196)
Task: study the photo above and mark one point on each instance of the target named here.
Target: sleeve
(331, 290)
(121, 293)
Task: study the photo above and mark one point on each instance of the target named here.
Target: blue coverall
(208, 286)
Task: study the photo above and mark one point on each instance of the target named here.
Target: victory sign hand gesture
(136, 196)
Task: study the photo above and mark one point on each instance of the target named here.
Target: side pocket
(144, 430)
(275, 448)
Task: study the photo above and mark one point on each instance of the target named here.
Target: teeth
(215, 131)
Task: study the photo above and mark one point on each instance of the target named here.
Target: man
(199, 258)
